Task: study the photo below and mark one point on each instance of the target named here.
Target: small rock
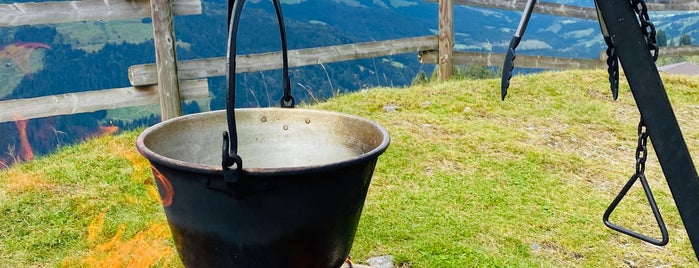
(385, 261)
(536, 247)
(391, 108)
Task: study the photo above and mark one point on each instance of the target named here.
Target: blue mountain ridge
(476, 29)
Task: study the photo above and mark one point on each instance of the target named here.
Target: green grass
(52, 205)
(92, 36)
(129, 114)
(468, 181)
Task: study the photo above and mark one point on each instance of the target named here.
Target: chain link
(649, 33)
(647, 27)
(642, 148)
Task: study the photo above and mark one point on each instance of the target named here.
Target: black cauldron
(297, 202)
(287, 190)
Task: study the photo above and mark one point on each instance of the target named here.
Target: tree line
(683, 40)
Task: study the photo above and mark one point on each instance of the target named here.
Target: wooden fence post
(166, 59)
(446, 38)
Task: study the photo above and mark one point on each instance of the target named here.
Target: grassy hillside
(92, 36)
(468, 181)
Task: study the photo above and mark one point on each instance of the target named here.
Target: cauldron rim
(217, 170)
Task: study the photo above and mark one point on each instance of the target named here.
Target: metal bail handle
(232, 162)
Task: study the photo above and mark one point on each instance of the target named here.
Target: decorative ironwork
(641, 157)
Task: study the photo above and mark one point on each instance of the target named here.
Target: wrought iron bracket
(655, 108)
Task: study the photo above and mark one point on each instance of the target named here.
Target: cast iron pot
(298, 199)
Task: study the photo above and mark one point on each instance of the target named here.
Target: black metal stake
(655, 108)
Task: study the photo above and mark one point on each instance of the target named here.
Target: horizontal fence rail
(523, 61)
(141, 75)
(542, 62)
(665, 51)
(541, 7)
(570, 10)
(18, 14)
(91, 101)
(679, 51)
(674, 5)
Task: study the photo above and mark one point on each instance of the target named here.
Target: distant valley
(86, 56)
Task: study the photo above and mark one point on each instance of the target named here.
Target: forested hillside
(84, 56)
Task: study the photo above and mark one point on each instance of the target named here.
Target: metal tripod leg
(654, 105)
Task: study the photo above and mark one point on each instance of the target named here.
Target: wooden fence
(568, 10)
(161, 12)
(19, 14)
(168, 81)
(141, 75)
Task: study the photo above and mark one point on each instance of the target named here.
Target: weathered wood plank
(570, 10)
(541, 7)
(674, 51)
(522, 61)
(446, 39)
(678, 51)
(141, 75)
(32, 13)
(91, 101)
(166, 59)
(674, 5)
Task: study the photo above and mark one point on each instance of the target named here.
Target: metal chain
(648, 29)
(649, 33)
(647, 26)
(642, 148)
